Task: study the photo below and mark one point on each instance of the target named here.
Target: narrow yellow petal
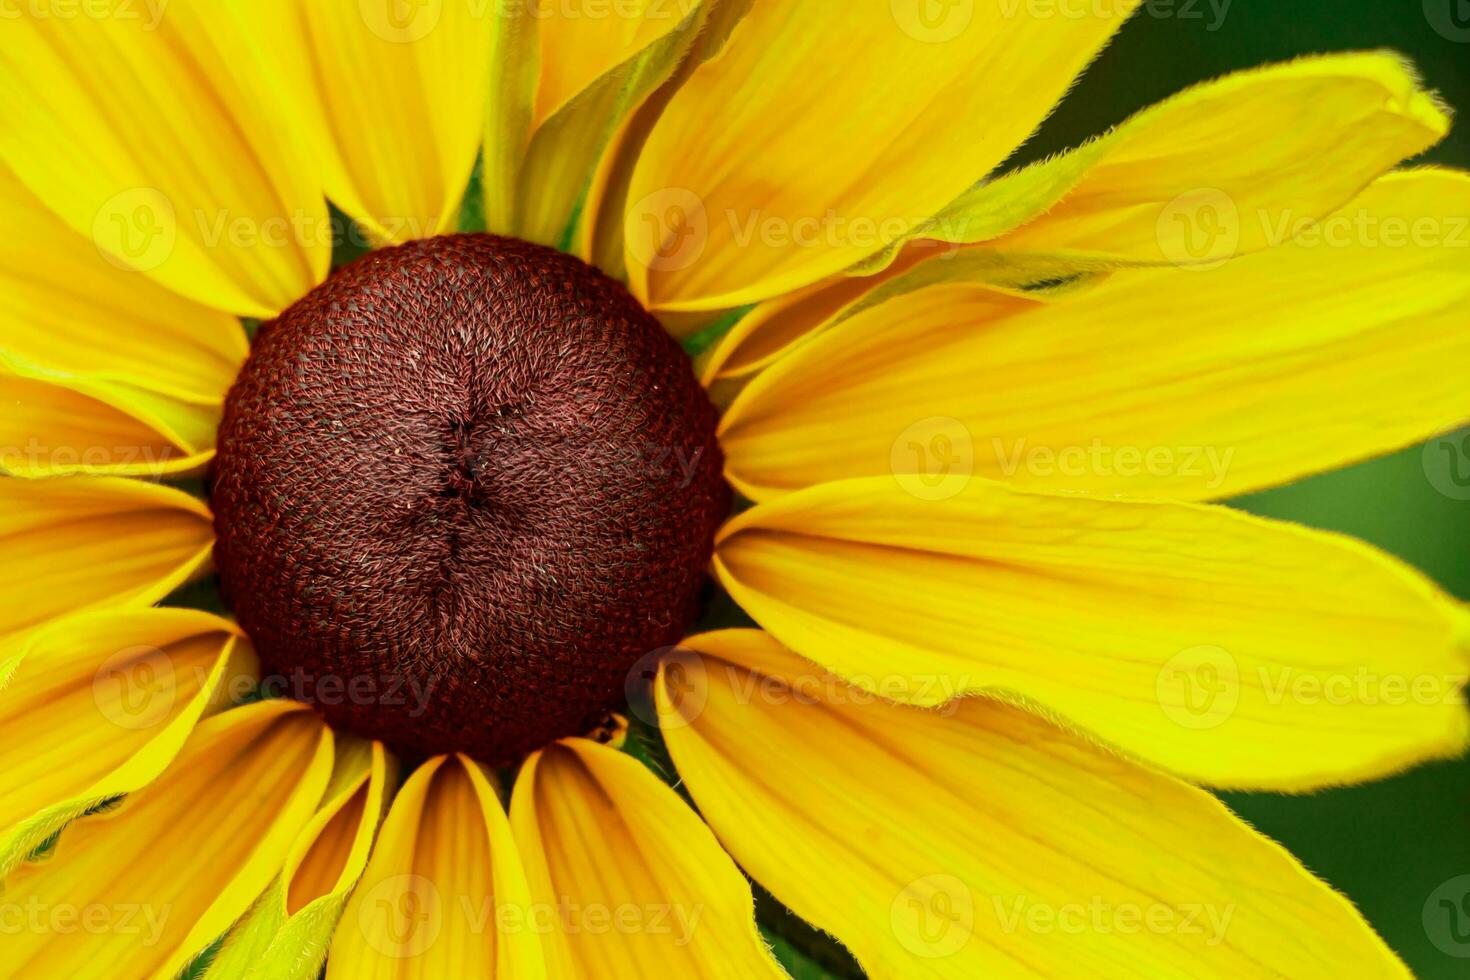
(1229, 649)
(141, 889)
(287, 933)
(983, 841)
(598, 62)
(395, 105)
(1354, 333)
(444, 893)
(98, 705)
(597, 233)
(74, 543)
(1228, 167)
(628, 878)
(777, 165)
(159, 138)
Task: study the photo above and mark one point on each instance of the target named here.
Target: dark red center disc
(462, 487)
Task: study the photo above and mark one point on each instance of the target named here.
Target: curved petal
(74, 543)
(1354, 333)
(1255, 156)
(102, 370)
(158, 137)
(99, 704)
(1255, 153)
(141, 889)
(633, 880)
(1230, 649)
(777, 165)
(598, 63)
(984, 841)
(286, 934)
(396, 112)
(444, 893)
(597, 231)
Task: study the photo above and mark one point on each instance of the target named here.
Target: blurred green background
(1390, 845)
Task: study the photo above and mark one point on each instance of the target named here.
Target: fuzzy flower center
(462, 488)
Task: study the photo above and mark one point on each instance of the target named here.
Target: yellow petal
(159, 137)
(1353, 333)
(98, 706)
(598, 62)
(444, 893)
(633, 882)
(510, 107)
(1216, 170)
(777, 164)
(1232, 650)
(74, 543)
(139, 890)
(984, 841)
(287, 932)
(597, 233)
(101, 369)
(395, 106)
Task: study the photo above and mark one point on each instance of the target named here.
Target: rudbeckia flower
(664, 293)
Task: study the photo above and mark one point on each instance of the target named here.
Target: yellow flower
(1003, 633)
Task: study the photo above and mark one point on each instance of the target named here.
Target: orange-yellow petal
(140, 889)
(74, 543)
(444, 893)
(157, 134)
(1343, 345)
(777, 165)
(625, 879)
(983, 841)
(1229, 649)
(98, 705)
